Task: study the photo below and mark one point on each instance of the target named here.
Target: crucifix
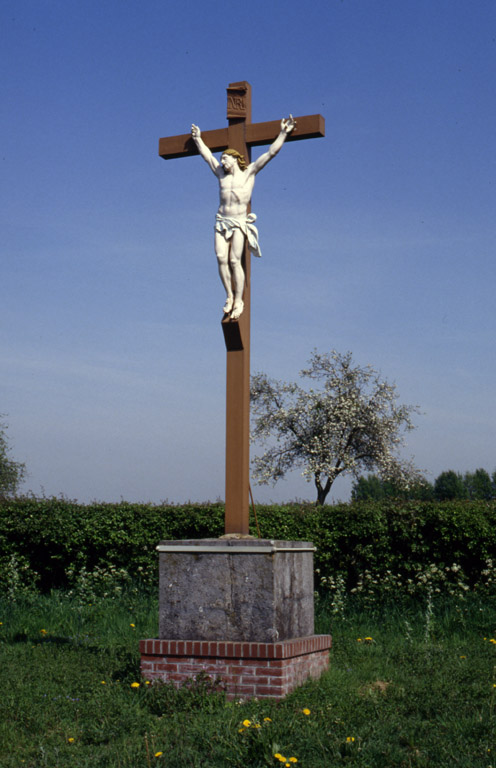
(240, 135)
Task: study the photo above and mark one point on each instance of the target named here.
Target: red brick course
(261, 670)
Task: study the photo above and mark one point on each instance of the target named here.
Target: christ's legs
(229, 254)
(237, 271)
(222, 251)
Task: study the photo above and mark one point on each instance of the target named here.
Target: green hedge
(56, 537)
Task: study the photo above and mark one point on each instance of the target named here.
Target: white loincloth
(227, 224)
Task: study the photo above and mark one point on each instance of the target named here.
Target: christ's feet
(228, 305)
(237, 309)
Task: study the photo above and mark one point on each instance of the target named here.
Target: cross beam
(241, 134)
(257, 134)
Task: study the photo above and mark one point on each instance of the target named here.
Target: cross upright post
(241, 134)
(237, 340)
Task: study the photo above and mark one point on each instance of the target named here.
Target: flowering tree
(350, 424)
(12, 473)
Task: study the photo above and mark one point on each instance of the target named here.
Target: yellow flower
(306, 711)
(135, 685)
(147, 682)
(278, 756)
(70, 739)
(368, 640)
(463, 657)
(241, 730)
(293, 759)
(359, 639)
(350, 739)
(267, 720)
(103, 682)
(132, 625)
(158, 754)
(246, 723)
(492, 640)
(43, 631)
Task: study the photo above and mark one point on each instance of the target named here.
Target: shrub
(58, 543)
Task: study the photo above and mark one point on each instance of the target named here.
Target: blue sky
(378, 239)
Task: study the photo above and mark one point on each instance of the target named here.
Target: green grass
(421, 692)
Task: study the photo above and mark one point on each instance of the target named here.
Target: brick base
(261, 670)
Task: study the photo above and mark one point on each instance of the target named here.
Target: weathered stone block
(236, 590)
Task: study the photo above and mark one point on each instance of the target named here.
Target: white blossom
(353, 423)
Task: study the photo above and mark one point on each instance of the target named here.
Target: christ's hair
(239, 157)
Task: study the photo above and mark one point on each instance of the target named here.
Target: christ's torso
(235, 193)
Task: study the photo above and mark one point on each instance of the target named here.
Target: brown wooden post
(241, 134)
(237, 514)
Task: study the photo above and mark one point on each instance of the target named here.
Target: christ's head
(242, 164)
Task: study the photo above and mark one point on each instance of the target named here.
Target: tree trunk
(322, 491)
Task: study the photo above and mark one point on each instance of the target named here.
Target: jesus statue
(233, 223)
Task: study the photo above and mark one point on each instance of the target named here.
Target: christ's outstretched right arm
(204, 150)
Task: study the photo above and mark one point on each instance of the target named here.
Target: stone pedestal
(240, 610)
(242, 589)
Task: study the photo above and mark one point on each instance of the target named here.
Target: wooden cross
(241, 134)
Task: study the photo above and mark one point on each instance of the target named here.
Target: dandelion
(133, 626)
(147, 682)
(158, 754)
(306, 711)
(350, 739)
(246, 723)
(43, 631)
(359, 639)
(70, 739)
(492, 640)
(368, 640)
(267, 720)
(463, 657)
(293, 760)
(135, 685)
(280, 757)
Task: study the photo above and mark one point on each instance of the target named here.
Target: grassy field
(409, 685)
